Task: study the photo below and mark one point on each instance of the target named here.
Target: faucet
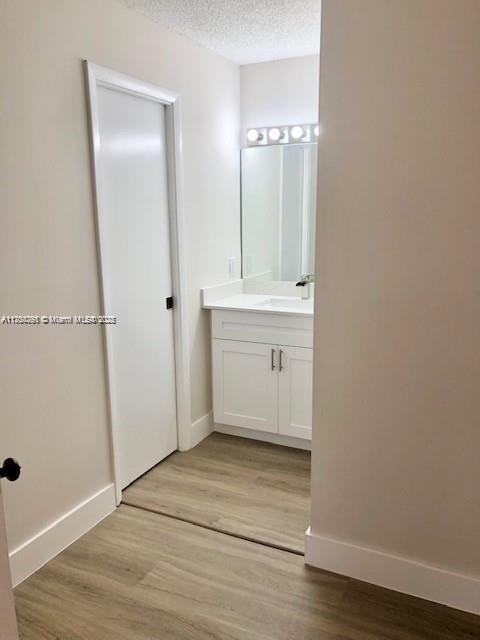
(305, 282)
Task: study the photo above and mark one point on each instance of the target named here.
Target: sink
(294, 304)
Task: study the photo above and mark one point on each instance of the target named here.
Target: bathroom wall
(395, 464)
(53, 411)
(279, 92)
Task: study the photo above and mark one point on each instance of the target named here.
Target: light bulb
(297, 132)
(316, 130)
(275, 134)
(253, 135)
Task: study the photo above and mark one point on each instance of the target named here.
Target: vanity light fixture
(297, 132)
(284, 134)
(274, 134)
(254, 135)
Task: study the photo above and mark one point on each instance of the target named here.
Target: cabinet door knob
(273, 360)
(10, 470)
(280, 360)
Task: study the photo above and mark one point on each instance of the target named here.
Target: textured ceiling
(244, 31)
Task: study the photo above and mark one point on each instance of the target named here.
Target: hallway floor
(254, 490)
(141, 575)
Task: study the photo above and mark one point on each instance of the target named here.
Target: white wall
(395, 459)
(279, 92)
(53, 405)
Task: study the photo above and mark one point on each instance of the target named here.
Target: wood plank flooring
(247, 488)
(138, 575)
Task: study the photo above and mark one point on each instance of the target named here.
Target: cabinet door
(245, 391)
(295, 391)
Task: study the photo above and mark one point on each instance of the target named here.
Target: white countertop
(257, 303)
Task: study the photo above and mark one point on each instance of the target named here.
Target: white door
(133, 210)
(245, 384)
(295, 391)
(8, 623)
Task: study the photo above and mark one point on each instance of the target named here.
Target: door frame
(98, 76)
(9, 631)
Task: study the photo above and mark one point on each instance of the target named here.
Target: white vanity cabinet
(245, 385)
(262, 372)
(295, 392)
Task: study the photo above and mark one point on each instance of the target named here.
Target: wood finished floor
(138, 575)
(243, 487)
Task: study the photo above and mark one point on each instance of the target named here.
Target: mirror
(279, 193)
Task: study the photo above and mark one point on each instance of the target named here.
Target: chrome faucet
(305, 282)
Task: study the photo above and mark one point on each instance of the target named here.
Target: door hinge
(169, 302)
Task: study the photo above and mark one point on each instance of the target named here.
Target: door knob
(10, 470)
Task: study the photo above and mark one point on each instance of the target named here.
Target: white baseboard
(45, 545)
(393, 572)
(201, 428)
(264, 436)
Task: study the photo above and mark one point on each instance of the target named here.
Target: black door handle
(10, 470)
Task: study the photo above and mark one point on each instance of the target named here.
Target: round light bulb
(297, 132)
(253, 135)
(275, 134)
(316, 130)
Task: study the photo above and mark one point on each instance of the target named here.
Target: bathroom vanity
(262, 365)
(261, 325)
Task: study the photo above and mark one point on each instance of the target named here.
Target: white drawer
(289, 330)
